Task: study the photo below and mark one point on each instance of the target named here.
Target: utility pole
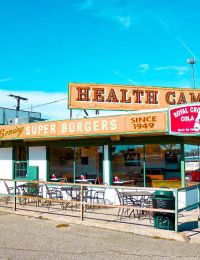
(192, 61)
(18, 98)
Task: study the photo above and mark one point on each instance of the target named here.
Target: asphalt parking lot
(23, 237)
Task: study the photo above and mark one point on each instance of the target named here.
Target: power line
(55, 101)
(48, 103)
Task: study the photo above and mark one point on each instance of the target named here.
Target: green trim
(27, 159)
(103, 166)
(198, 196)
(176, 210)
(13, 165)
(110, 164)
(85, 135)
(182, 166)
(47, 164)
(74, 164)
(21, 179)
(161, 139)
(144, 164)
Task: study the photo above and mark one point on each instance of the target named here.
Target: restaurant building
(155, 144)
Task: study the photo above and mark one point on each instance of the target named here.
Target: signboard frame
(181, 133)
(134, 123)
(121, 97)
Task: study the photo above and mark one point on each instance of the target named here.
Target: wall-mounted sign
(185, 119)
(108, 125)
(123, 97)
(131, 158)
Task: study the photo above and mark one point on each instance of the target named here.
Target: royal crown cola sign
(185, 119)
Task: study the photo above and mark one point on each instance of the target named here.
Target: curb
(119, 227)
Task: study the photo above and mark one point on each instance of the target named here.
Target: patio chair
(124, 201)
(31, 192)
(9, 192)
(72, 194)
(146, 202)
(53, 193)
(97, 196)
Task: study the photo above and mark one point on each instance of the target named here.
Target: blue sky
(45, 44)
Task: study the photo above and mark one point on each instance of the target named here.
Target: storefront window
(72, 162)
(61, 162)
(162, 163)
(20, 161)
(192, 163)
(88, 162)
(127, 162)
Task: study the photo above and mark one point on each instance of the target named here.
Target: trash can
(164, 200)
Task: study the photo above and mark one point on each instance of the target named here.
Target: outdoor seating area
(123, 204)
(66, 198)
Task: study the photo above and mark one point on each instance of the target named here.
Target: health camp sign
(185, 119)
(123, 97)
(101, 126)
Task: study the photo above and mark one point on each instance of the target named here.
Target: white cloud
(57, 110)
(39, 32)
(5, 79)
(124, 20)
(37, 70)
(125, 77)
(88, 4)
(114, 10)
(185, 46)
(144, 67)
(52, 111)
(182, 43)
(180, 70)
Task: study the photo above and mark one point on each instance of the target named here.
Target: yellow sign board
(109, 125)
(124, 97)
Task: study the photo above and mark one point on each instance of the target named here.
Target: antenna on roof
(18, 98)
(192, 62)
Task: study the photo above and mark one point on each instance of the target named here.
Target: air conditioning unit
(18, 120)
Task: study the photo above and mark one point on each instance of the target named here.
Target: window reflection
(72, 162)
(192, 163)
(61, 162)
(162, 163)
(127, 162)
(88, 162)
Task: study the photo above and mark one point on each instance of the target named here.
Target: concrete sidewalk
(189, 219)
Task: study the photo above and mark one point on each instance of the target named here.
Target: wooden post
(81, 202)
(15, 199)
